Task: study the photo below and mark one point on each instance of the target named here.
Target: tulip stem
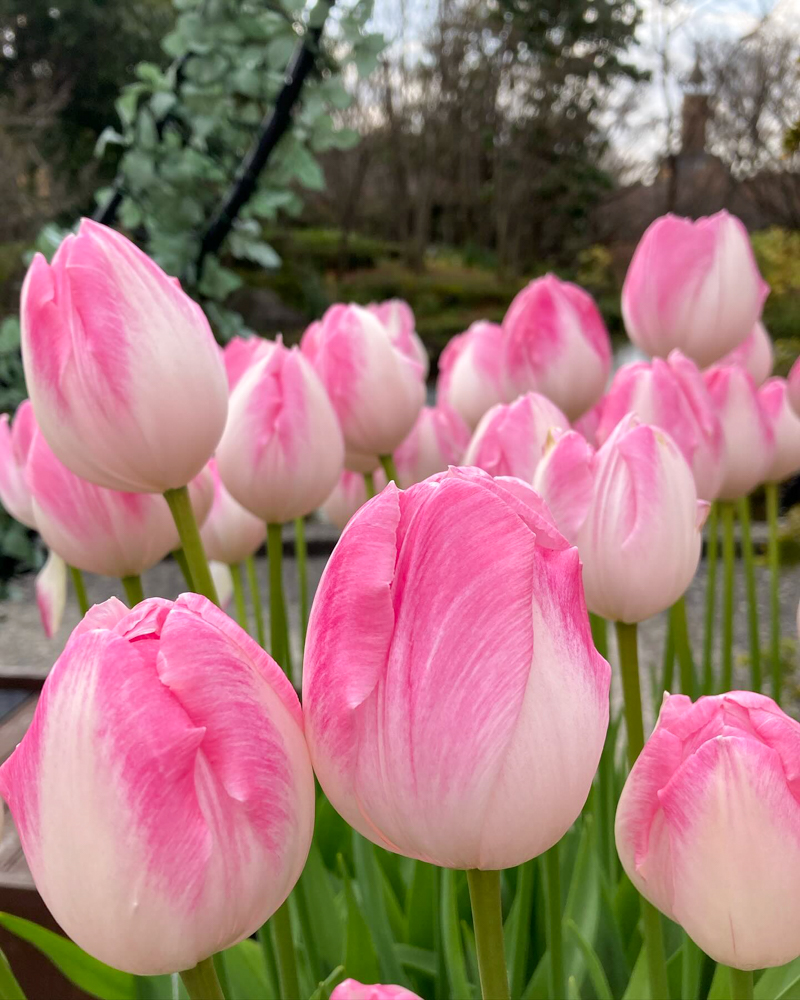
(276, 629)
(255, 597)
(741, 984)
(487, 918)
(281, 925)
(551, 869)
(134, 592)
(80, 589)
(369, 484)
(302, 575)
(599, 633)
(773, 556)
(389, 468)
(752, 599)
(728, 558)
(238, 594)
(680, 638)
(202, 983)
(632, 700)
(182, 514)
(712, 546)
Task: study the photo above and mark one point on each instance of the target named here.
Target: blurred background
(442, 151)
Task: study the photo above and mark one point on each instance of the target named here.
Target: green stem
(683, 650)
(222, 972)
(302, 575)
(487, 918)
(180, 559)
(389, 467)
(728, 559)
(134, 592)
(80, 589)
(238, 594)
(741, 984)
(599, 634)
(632, 698)
(202, 983)
(369, 485)
(274, 556)
(773, 556)
(255, 598)
(752, 600)
(182, 514)
(281, 925)
(712, 545)
(551, 870)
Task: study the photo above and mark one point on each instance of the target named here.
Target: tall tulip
(708, 826)
(51, 593)
(186, 754)
(754, 354)
(347, 496)
(458, 724)
(557, 344)
(472, 374)
(398, 320)
(785, 423)
(351, 989)
(230, 533)
(240, 353)
(793, 382)
(117, 355)
(16, 439)
(376, 390)
(510, 439)
(693, 285)
(437, 440)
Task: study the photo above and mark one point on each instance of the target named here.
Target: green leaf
(279, 51)
(720, 988)
(639, 985)
(87, 973)
(361, 962)
(455, 963)
(781, 983)
(593, 964)
(218, 282)
(247, 973)
(247, 248)
(128, 102)
(518, 925)
(417, 959)
(108, 137)
(583, 900)
(323, 991)
(9, 987)
(370, 880)
(162, 103)
(326, 917)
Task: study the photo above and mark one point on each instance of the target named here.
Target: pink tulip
(182, 741)
(754, 354)
(397, 318)
(510, 439)
(557, 344)
(51, 593)
(785, 423)
(351, 989)
(282, 450)
(672, 395)
(347, 496)
(376, 390)
(230, 534)
(589, 423)
(708, 826)
(455, 705)
(438, 439)
(240, 353)
(125, 378)
(15, 445)
(633, 512)
(472, 372)
(748, 435)
(694, 286)
(793, 382)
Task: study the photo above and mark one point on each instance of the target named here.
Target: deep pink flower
(472, 372)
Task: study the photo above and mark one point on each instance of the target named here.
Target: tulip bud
(557, 344)
(398, 320)
(708, 826)
(230, 534)
(240, 353)
(510, 439)
(754, 354)
(15, 445)
(448, 650)
(785, 423)
(589, 423)
(351, 989)
(347, 496)
(748, 435)
(51, 593)
(117, 355)
(376, 391)
(437, 440)
(185, 753)
(672, 395)
(282, 451)
(565, 480)
(472, 372)
(793, 383)
(694, 286)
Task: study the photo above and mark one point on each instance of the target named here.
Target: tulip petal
(51, 593)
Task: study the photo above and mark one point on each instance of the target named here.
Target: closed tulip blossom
(455, 705)
(557, 344)
(51, 593)
(510, 439)
(282, 451)
(589, 423)
(472, 373)
(230, 534)
(16, 439)
(240, 353)
(708, 826)
(755, 354)
(116, 355)
(347, 496)
(398, 320)
(693, 285)
(633, 512)
(672, 395)
(785, 423)
(437, 440)
(351, 989)
(377, 391)
(185, 751)
(748, 434)
(793, 384)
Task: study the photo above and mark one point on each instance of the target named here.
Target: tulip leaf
(638, 985)
(361, 962)
(720, 988)
(780, 983)
(417, 959)
(453, 946)
(370, 880)
(87, 973)
(323, 990)
(246, 971)
(9, 987)
(518, 925)
(583, 901)
(325, 917)
(593, 964)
